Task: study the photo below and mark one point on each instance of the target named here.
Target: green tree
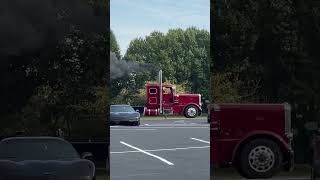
(269, 47)
(183, 55)
(114, 47)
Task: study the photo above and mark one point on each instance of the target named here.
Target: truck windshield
(121, 109)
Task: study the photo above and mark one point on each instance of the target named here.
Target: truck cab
(163, 99)
(254, 138)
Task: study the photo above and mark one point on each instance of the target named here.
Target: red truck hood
(189, 99)
(189, 95)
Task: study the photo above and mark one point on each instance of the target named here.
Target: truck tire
(191, 111)
(260, 158)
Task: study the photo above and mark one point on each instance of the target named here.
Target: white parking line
(132, 129)
(152, 155)
(157, 150)
(162, 127)
(177, 125)
(200, 140)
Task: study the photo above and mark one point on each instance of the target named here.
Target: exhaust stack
(160, 89)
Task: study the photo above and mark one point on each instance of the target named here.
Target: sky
(130, 19)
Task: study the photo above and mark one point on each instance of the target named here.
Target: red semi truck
(163, 99)
(254, 138)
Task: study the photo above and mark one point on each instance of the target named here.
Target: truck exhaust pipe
(160, 89)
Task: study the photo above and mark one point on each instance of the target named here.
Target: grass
(170, 117)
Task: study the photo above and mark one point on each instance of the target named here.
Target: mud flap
(316, 158)
(289, 166)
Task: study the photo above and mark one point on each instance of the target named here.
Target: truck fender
(197, 105)
(252, 135)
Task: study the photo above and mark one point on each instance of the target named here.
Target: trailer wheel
(260, 158)
(191, 111)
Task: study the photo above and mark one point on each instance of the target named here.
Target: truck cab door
(167, 99)
(167, 96)
(215, 126)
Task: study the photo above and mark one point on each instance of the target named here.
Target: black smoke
(120, 67)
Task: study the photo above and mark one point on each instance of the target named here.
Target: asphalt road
(162, 149)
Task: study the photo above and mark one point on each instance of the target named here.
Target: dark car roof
(120, 105)
(34, 138)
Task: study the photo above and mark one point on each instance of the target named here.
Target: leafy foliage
(114, 47)
(264, 51)
(55, 86)
(183, 55)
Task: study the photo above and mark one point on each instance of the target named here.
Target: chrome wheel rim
(261, 159)
(191, 111)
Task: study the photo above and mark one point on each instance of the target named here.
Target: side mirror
(87, 155)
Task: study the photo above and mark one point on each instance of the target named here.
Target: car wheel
(260, 158)
(136, 123)
(191, 111)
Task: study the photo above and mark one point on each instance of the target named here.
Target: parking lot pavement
(162, 149)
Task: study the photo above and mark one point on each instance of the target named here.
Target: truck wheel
(260, 158)
(191, 111)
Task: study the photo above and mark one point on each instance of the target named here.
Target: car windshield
(121, 109)
(36, 150)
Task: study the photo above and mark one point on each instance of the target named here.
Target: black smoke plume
(120, 68)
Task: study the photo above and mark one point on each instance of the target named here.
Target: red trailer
(163, 99)
(254, 138)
